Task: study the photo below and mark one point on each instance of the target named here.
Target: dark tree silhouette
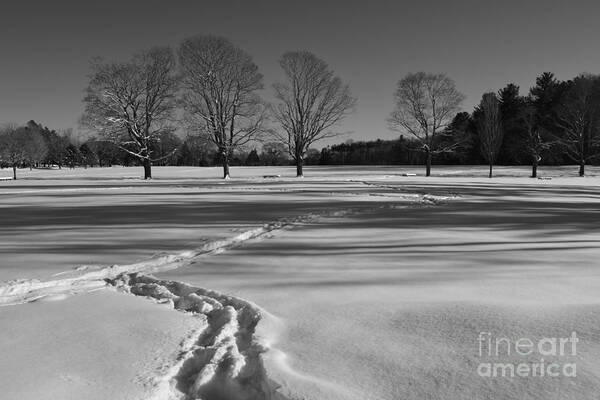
(425, 105)
(579, 119)
(545, 97)
(20, 146)
(274, 153)
(490, 128)
(310, 102)
(534, 142)
(512, 113)
(220, 98)
(132, 104)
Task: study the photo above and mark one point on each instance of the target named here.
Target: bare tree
(220, 97)
(132, 104)
(310, 102)
(534, 142)
(490, 127)
(425, 106)
(579, 119)
(20, 146)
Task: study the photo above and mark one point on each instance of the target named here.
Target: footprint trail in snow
(223, 359)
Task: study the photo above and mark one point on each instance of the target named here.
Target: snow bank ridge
(223, 360)
(422, 198)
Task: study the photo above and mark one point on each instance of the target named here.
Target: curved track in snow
(222, 358)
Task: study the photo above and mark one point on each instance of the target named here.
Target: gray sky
(481, 44)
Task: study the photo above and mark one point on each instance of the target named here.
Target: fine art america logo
(525, 357)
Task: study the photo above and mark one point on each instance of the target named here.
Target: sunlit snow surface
(372, 285)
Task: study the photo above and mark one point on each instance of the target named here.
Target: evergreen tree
(512, 109)
(72, 156)
(252, 159)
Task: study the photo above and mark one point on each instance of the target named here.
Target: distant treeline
(556, 123)
(36, 146)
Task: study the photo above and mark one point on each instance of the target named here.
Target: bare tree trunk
(147, 168)
(226, 169)
(490, 128)
(581, 168)
(15, 172)
(225, 163)
(299, 166)
(299, 172)
(428, 164)
(534, 168)
(312, 101)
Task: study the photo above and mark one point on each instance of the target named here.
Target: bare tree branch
(425, 105)
(132, 104)
(490, 128)
(220, 100)
(310, 103)
(579, 119)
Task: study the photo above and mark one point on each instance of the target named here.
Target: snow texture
(427, 278)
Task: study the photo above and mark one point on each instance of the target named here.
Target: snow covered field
(352, 283)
